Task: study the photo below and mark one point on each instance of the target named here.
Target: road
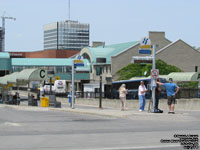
(60, 130)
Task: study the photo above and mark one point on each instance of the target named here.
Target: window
(98, 71)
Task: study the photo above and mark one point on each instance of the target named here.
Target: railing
(133, 94)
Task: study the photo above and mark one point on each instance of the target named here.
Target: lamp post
(100, 91)
(50, 74)
(101, 62)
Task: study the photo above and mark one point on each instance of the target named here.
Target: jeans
(142, 102)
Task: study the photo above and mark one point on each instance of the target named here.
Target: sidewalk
(110, 107)
(93, 110)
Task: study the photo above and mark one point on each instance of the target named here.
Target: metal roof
(110, 50)
(4, 55)
(183, 76)
(135, 79)
(24, 76)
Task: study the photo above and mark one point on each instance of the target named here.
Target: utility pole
(2, 48)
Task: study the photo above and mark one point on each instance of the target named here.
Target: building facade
(117, 56)
(68, 35)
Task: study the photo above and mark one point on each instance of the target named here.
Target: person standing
(157, 97)
(172, 89)
(122, 95)
(141, 94)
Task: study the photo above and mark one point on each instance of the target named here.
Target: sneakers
(171, 112)
(141, 110)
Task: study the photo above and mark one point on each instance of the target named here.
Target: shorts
(171, 100)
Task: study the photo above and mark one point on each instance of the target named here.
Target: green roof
(110, 50)
(47, 62)
(184, 76)
(181, 76)
(4, 55)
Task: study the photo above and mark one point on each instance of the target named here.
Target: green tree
(138, 70)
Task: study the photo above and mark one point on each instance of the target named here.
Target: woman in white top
(122, 95)
(141, 94)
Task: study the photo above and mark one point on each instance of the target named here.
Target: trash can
(44, 101)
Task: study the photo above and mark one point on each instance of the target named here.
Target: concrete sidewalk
(111, 107)
(93, 110)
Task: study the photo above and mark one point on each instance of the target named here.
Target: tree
(138, 70)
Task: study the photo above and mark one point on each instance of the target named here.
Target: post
(50, 86)
(153, 80)
(100, 92)
(72, 100)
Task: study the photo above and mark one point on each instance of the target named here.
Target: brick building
(45, 54)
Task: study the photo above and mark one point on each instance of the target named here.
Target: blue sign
(78, 64)
(144, 51)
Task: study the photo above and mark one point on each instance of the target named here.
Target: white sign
(154, 73)
(79, 61)
(145, 46)
(79, 57)
(145, 41)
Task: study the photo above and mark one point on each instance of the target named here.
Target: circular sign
(154, 73)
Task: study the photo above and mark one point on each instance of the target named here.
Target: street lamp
(101, 62)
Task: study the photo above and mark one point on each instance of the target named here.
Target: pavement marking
(12, 124)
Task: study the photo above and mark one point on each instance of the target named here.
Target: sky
(111, 21)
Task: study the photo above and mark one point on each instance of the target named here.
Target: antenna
(69, 9)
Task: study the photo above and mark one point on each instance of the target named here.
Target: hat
(170, 80)
(123, 85)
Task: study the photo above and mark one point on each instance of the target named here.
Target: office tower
(69, 35)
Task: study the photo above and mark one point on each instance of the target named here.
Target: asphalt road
(49, 130)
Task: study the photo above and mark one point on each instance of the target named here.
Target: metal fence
(133, 94)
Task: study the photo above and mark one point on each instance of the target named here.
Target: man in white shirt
(141, 94)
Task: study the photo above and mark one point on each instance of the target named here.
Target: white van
(60, 86)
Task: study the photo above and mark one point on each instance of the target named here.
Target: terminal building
(105, 60)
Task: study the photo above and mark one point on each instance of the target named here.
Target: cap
(170, 80)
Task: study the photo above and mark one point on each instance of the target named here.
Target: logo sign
(79, 61)
(154, 73)
(145, 41)
(145, 46)
(60, 83)
(79, 57)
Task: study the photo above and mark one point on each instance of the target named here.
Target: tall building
(1, 39)
(69, 34)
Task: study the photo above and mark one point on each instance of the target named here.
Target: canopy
(24, 77)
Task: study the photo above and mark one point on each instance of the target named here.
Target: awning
(24, 77)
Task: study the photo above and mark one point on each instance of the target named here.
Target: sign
(154, 73)
(57, 77)
(141, 59)
(78, 61)
(145, 41)
(145, 46)
(144, 51)
(42, 73)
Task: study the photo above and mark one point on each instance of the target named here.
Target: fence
(133, 94)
